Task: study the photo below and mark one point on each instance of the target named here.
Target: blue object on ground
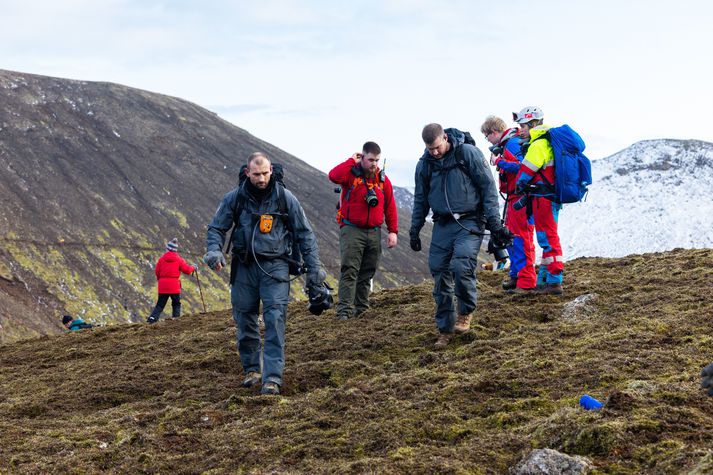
(589, 403)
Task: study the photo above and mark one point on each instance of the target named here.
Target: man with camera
(506, 156)
(367, 197)
(454, 180)
(267, 217)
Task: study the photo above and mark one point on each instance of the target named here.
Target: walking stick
(200, 289)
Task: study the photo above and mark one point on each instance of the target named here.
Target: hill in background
(370, 396)
(96, 177)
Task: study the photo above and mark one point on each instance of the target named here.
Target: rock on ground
(581, 307)
(551, 462)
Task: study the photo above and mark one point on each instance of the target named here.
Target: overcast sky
(318, 78)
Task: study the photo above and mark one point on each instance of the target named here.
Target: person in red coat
(168, 272)
(367, 201)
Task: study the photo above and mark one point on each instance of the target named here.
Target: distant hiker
(367, 196)
(74, 324)
(537, 172)
(262, 242)
(168, 273)
(506, 156)
(453, 179)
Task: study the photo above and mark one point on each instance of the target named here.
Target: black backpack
(278, 174)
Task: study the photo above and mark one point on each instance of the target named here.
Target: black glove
(315, 278)
(213, 258)
(502, 237)
(707, 381)
(415, 243)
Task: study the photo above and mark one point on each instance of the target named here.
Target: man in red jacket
(168, 272)
(367, 197)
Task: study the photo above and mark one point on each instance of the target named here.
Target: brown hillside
(370, 396)
(96, 177)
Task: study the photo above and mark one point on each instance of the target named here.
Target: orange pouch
(265, 223)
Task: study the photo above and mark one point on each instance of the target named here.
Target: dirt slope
(370, 396)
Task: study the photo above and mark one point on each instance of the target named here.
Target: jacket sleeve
(222, 222)
(185, 268)
(342, 173)
(390, 212)
(483, 181)
(302, 233)
(420, 202)
(157, 269)
(537, 155)
(510, 162)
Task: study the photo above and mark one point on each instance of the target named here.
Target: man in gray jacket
(262, 243)
(454, 180)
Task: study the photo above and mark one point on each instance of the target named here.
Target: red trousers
(522, 251)
(546, 215)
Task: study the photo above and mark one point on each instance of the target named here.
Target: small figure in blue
(74, 324)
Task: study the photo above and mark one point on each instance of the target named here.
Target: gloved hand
(213, 258)
(315, 279)
(415, 243)
(707, 381)
(502, 237)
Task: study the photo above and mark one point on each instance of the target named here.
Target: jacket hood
(508, 134)
(170, 256)
(538, 131)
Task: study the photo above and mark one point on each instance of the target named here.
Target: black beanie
(66, 319)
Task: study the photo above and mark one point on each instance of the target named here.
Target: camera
(371, 198)
(500, 253)
(496, 149)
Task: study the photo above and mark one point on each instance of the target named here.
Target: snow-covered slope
(653, 196)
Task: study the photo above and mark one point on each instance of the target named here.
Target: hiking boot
(521, 291)
(443, 340)
(270, 388)
(251, 379)
(343, 317)
(551, 289)
(463, 323)
(151, 320)
(510, 283)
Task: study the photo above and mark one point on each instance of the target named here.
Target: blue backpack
(573, 170)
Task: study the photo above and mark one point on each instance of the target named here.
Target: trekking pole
(200, 289)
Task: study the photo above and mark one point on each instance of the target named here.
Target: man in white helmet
(536, 179)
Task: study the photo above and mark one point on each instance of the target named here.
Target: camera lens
(371, 198)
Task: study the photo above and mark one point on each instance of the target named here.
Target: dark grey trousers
(360, 251)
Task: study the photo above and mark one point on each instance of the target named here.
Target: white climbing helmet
(527, 114)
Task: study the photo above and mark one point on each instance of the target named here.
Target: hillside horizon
(95, 178)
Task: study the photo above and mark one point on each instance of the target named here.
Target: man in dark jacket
(454, 180)
(262, 241)
(367, 196)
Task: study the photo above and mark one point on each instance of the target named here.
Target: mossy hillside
(369, 395)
